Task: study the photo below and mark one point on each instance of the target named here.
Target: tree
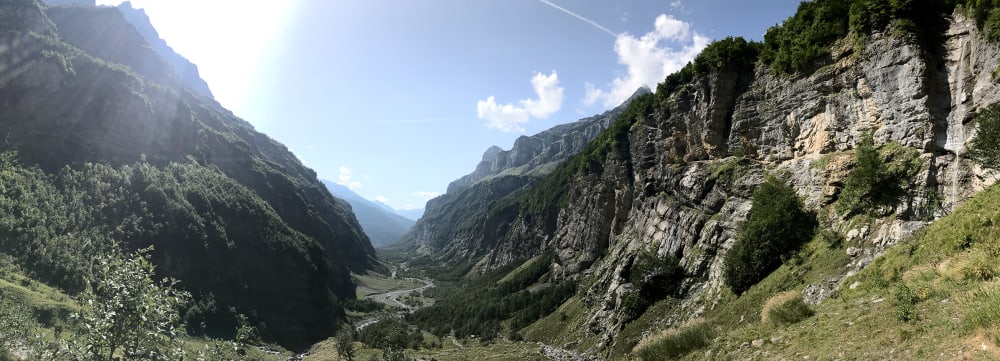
(126, 312)
(877, 181)
(985, 147)
(345, 345)
(860, 186)
(776, 226)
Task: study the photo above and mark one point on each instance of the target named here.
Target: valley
(828, 192)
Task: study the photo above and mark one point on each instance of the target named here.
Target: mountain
(413, 214)
(103, 147)
(184, 69)
(382, 225)
(70, 2)
(456, 217)
(648, 218)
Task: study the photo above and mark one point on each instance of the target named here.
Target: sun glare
(231, 41)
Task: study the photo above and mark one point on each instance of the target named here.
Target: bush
(985, 147)
(673, 345)
(879, 177)
(785, 308)
(776, 226)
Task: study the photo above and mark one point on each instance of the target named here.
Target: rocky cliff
(456, 218)
(85, 92)
(676, 177)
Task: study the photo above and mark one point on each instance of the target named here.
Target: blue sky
(395, 99)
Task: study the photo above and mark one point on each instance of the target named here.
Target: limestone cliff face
(664, 194)
(904, 92)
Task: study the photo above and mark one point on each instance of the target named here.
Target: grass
(674, 343)
(568, 324)
(523, 267)
(372, 283)
(935, 296)
(785, 308)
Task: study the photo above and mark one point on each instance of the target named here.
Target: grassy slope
(932, 297)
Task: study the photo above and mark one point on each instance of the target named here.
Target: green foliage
(363, 305)
(985, 307)
(17, 325)
(481, 305)
(986, 13)
(802, 42)
(129, 313)
(985, 147)
(390, 333)
(345, 345)
(678, 344)
(52, 225)
(653, 278)
(730, 53)
(906, 301)
(776, 226)
(877, 180)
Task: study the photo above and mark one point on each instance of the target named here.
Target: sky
(397, 98)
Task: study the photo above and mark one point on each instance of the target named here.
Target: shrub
(785, 308)
(985, 147)
(879, 177)
(674, 344)
(776, 226)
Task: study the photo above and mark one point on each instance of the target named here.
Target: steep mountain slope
(456, 217)
(383, 226)
(669, 182)
(185, 71)
(182, 174)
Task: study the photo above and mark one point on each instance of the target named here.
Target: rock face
(666, 191)
(114, 102)
(456, 219)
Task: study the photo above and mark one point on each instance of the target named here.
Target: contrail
(575, 15)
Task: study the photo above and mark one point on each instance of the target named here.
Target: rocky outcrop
(903, 92)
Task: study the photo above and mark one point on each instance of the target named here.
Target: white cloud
(426, 195)
(649, 59)
(345, 178)
(382, 199)
(408, 207)
(676, 4)
(510, 118)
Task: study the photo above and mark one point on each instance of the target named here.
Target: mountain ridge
(381, 223)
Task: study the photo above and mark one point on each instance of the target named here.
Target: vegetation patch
(675, 343)
(776, 226)
(785, 308)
